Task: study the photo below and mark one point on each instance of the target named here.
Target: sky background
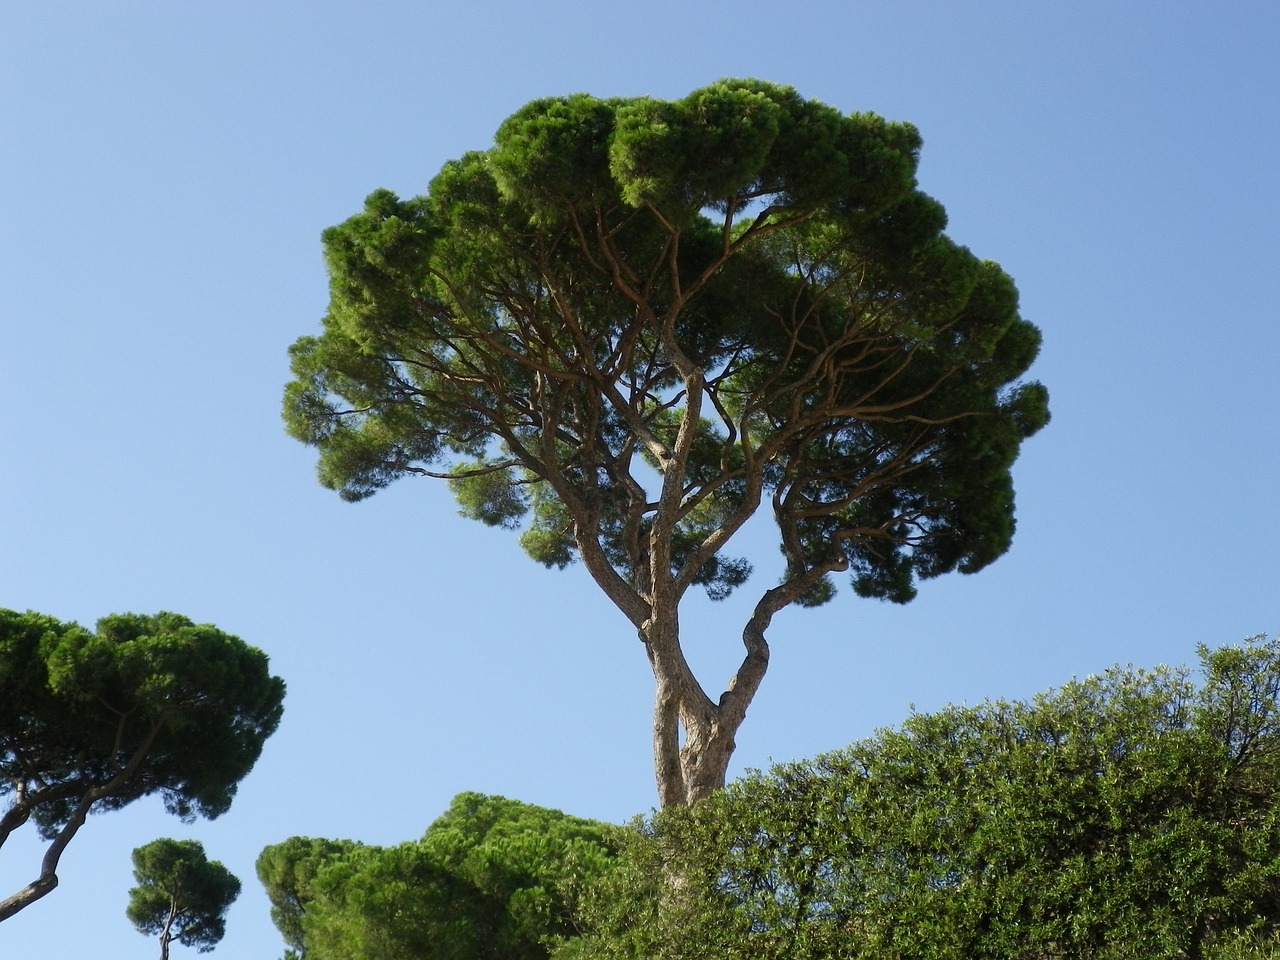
(166, 170)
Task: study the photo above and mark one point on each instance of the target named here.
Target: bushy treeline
(1129, 815)
(491, 879)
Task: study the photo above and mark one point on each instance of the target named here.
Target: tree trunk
(695, 766)
(48, 878)
(708, 746)
(166, 931)
(690, 770)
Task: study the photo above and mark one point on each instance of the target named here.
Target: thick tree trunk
(690, 770)
(693, 736)
(693, 742)
(708, 746)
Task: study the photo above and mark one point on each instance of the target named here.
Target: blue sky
(166, 170)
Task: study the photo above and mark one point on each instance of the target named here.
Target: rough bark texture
(694, 736)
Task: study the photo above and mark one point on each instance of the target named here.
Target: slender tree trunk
(48, 878)
(166, 934)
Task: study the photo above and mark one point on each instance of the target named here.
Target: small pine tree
(181, 894)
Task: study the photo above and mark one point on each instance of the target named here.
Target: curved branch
(48, 878)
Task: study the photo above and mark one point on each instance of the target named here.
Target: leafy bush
(489, 879)
(1128, 815)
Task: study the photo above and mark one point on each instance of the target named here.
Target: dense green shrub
(1128, 815)
(489, 879)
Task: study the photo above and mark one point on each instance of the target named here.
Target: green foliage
(1245, 946)
(1129, 815)
(144, 705)
(489, 879)
(743, 259)
(287, 871)
(633, 323)
(181, 894)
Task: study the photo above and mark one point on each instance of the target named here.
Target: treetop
(529, 326)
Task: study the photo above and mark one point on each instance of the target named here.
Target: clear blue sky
(165, 172)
